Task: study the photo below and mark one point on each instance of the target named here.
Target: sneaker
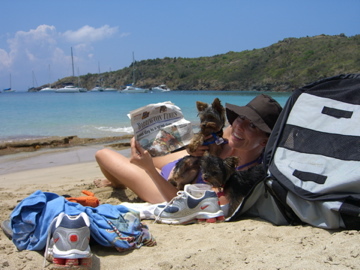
(68, 240)
(196, 203)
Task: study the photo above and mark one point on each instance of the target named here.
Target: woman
(247, 136)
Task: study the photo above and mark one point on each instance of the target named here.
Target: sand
(245, 244)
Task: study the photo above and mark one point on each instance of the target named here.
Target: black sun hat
(263, 111)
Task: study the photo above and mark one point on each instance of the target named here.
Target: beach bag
(313, 159)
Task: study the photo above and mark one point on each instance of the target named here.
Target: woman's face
(245, 135)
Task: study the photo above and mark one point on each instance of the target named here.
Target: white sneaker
(196, 203)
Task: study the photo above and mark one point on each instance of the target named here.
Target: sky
(37, 36)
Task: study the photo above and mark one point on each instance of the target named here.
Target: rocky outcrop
(12, 147)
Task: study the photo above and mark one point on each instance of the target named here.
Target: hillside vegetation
(283, 66)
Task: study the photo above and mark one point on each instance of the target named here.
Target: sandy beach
(244, 244)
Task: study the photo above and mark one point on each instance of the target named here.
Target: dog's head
(212, 118)
(217, 171)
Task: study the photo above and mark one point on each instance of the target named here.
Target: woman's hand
(199, 152)
(140, 156)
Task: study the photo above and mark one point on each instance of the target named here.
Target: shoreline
(57, 142)
(43, 153)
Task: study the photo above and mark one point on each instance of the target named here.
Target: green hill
(283, 66)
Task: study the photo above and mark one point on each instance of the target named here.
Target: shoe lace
(179, 195)
(48, 240)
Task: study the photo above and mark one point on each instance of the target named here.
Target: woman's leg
(120, 172)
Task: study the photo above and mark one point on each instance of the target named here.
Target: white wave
(128, 130)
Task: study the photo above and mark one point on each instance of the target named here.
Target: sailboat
(131, 88)
(34, 82)
(160, 88)
(48, 88)
(9, 90)
(81, 89)
(98, 88)
(71, 88)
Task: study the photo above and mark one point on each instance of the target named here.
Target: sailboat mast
(133, 69)
(49, 76)
(72, 61)
(99, 79)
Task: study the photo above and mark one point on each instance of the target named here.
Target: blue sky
(37, 36)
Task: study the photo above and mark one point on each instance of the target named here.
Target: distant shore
(33, 145)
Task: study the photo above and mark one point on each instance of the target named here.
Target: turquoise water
(96, 114)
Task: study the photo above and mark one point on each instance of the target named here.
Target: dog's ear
(231, 162)
(230, 165)
(201, 106)
(217, 106)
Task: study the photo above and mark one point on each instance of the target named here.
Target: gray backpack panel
(313, 159)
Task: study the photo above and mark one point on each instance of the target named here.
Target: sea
(32, 115)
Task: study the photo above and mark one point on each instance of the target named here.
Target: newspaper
(161, 128)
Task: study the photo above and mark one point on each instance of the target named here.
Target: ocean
(27, 115)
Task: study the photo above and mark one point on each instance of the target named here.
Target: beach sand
(245, 244)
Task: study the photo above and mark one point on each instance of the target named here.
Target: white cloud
(28, 46)
(38, 48)
(33, 44)
(4, 60)
(88, 34)
(42, 43)
(124, 35)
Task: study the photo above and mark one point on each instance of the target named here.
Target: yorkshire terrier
(212, 121)
(216, 171)
(240, 183)
(235, 185)
(186, 171)
(212, 169)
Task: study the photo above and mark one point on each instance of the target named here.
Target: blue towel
(110, 225)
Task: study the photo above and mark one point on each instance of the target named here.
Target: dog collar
(257, 160)
(216, 139)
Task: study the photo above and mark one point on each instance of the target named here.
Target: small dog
(240, 183)
(216, 171)
(212, 121)
(234, 184)
(185, 172)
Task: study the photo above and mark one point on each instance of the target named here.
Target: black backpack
(312, 159)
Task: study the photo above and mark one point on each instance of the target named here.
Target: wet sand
(55, 151)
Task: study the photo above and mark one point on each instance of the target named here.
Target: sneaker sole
(194, 218)
(71, 254)
(79, 264)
